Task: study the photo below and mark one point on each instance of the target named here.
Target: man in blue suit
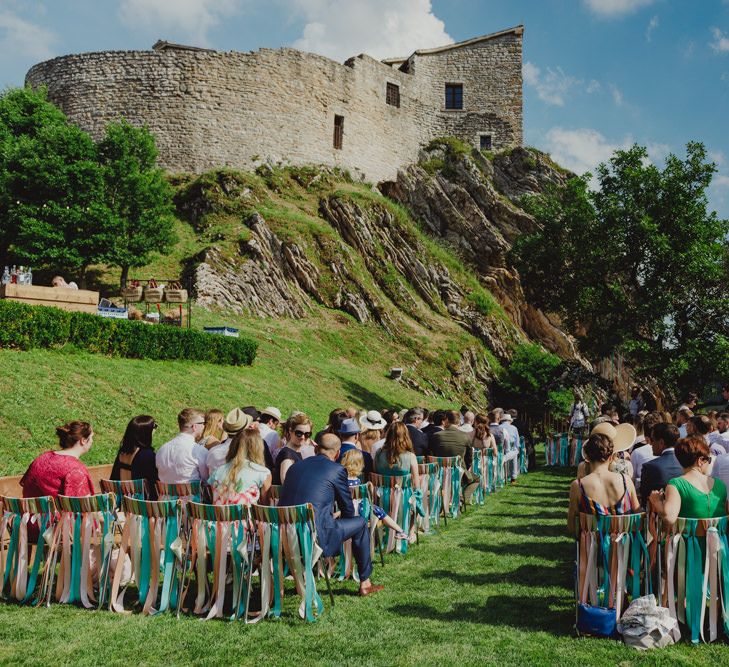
(659, 471)
(320, 480)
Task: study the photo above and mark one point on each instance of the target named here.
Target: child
(353, 462)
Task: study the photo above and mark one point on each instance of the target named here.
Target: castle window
(393, 95)
(454, 96)
(485, 142)
(338, 131)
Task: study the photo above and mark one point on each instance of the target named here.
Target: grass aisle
(492, 588)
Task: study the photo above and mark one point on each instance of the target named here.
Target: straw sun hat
(622, 436)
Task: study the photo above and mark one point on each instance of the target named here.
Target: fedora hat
(272, 412)
(349, 427)
(236, 420)
(373, 421)
(622, 436)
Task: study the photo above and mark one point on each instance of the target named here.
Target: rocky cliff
(424, 257)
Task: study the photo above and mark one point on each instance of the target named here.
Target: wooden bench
(10, 486)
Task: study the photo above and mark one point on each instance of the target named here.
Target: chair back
(219, 537)
(694, 570)
(523, 461)
(612, 560)
(287, 536)
(135, 488)
(575, 449)
(477, 465)
(151, 550)
(83, 540)
(183, 491)
(26, 530)
(451, 470)
(396, 495)
(430, 488)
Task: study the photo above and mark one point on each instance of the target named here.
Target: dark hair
(334, 423)
(701, 423)
(513, 412)
(72, 433)
(411, 415)
(480, 426)
(666, 432)
(650, 421)
(691, 449)
(437, 417)
(138, 434)
(598, 448)
(723, 415)
(453, 416)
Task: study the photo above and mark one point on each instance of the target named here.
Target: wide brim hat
(272, 412)
(236, 420)
(373, 421)
(622, 436)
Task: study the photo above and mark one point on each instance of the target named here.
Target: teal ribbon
(276, 559)
(306, 542)
(456, 488)
(169, 592)
(76, 560)
(145, 568)
(694, 581)
(11, 564)
(43, 521)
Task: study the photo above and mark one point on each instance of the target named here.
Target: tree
(52, 204)
(638, 265)
(138, 195)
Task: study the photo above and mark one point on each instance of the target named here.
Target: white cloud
(720, 181)
(617, 94)
(718, 157)
(721, 41)
(552, 86)
(186, 20)
(19, 37)
(583, 149)
(657, 152)
(341, 29)
(652, 25)
(616, 8)
(593, 87)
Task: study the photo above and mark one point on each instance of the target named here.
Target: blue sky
(599, 74)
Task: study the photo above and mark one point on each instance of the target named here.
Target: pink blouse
(53, 474)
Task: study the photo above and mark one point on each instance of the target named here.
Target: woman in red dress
(57, 473)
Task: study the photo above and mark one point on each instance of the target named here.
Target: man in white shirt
(720, 437)
(270, 419)
(682, 417)
(467, 426)
(182, 460)
(497, 417)
(235, 422)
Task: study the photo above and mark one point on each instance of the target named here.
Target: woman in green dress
(693, 495)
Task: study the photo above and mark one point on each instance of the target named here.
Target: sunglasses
(302, 434)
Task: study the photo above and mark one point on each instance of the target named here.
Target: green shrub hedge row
(24, 327)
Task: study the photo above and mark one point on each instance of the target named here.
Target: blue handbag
(596, 621)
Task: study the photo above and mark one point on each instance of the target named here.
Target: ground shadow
(525, 575)
(538, 529)
(548, 614)
(359, 395)
(544, 514)
(555, 551)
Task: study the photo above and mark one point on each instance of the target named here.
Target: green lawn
(494, 587)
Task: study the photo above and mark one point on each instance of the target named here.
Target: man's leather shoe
(370, 590)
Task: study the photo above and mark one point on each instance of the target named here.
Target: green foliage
(53, 209)
(138, 195)
(25, 327)
(483, 301)
(452, 145)
(640, 265)
(528, 381)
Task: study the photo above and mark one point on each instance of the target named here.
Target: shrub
(25, 327)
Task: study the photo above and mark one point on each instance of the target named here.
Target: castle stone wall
(210, 109)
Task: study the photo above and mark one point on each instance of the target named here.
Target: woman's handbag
(596, 621)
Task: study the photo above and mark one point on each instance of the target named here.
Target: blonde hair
(247, 445)
(368, 438)
(212, 424)
(397, 441)
(353, 461)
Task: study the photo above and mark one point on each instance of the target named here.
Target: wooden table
(81, 300)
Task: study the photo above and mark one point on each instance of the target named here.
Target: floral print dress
(245, 489)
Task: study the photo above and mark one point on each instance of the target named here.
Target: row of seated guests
(681, 468)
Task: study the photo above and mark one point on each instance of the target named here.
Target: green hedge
(24, 327)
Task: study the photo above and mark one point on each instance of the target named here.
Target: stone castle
(212, 109)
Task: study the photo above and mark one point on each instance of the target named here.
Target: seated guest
(693, 495)
(603, 492)
(620, 459)
(481, 435)
(682, 417)
(234, 423)
(451, 441)
(268, 428)
(336, 417)
(367, 439)
(701, 425)
(61, 473)
(413, 419)
(243, 478)
(349, 436)
(182, 460)
(658, 472)
(298, 433)
(467, 425)
(213, 433)
(642, 452)
(354, 465)
(720, 437)
(396, 456)
(136, 458)
(435, 426)
(321, 481)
